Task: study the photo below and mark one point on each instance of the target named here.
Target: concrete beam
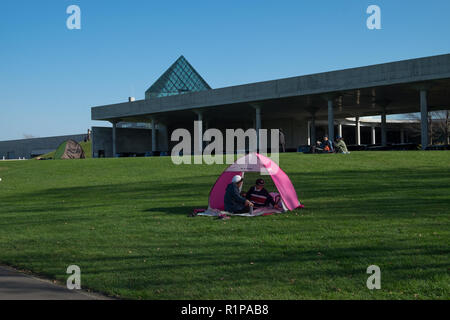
(408, 71)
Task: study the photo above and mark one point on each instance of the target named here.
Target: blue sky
(50, 76)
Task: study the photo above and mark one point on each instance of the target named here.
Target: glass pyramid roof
(180, 78)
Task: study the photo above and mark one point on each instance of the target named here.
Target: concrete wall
(295, 130)
(129, 140)
(14, 149)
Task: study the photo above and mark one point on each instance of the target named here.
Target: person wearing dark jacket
(327, 145)
(234, 202)
(259, 196)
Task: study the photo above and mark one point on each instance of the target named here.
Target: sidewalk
(19, 286)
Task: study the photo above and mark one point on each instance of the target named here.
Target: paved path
(19, 286)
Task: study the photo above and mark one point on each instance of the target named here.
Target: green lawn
(124, 222)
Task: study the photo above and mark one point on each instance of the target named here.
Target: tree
(438, 126)
(441, 126)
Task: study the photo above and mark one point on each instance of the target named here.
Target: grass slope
(123, 221)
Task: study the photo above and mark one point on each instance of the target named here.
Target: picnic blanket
(264, 211)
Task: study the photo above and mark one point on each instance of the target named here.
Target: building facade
(30, 148)
(304, 107)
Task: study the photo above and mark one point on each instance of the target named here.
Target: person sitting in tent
(259, 196)
(233, 201)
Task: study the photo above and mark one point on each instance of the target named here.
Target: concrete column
(402, 136)
(330, 120)
(383, 129)
(357, 131)
(424, 118)
(114, 138)
(373, 135)
(309, 134)
(257, 124)
(199, 137)
(313, 131)
(340, 129)
(205, 126)
(162, 138)
(154, 140)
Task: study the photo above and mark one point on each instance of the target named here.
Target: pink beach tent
(254, 162)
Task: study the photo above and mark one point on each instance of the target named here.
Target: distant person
(234, 202)
(317, 148)
(282, 141)
(259, 196)
(341, 147)
(327, 145)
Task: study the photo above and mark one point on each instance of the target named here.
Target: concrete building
(29, 148)
(298, 105)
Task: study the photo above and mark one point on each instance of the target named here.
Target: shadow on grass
(238, 265)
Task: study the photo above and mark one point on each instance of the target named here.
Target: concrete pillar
(373, 135)
(424, 118)
(205, 125)
(154, 139)
(340, 129)
(257, 124)
(161, 137)
(313, 131)
(402, 136)
(114, 138)
(308, 141)
(357, 131)
(383, 129)
(330, 120)
(199, 143)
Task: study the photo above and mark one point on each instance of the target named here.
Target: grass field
(124, 222)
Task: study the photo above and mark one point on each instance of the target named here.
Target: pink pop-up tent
(254, 162)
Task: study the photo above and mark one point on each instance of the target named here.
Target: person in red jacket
(259, 196)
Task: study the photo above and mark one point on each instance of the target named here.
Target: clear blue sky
(50, 76)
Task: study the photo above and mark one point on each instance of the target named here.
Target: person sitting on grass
(317, 148)
(341, 147)
(234, 202)
(327, 145)
(259, 196)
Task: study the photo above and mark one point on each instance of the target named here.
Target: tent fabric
(69, 149)
(254, 162)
